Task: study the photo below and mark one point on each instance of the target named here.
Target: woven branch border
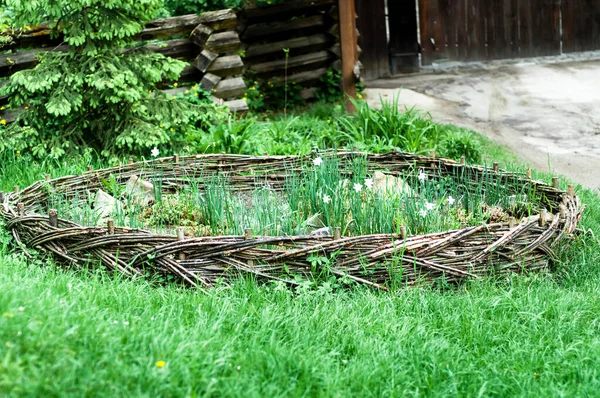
(471, 252)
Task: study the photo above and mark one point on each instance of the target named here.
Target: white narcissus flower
(357, 187)
(429, 206)
(154, 152)
(423, 213)
(451, 200)
(422, 176)
(318, 161)
(326, 198)
(369, 183)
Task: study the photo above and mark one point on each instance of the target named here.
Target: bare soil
(547, 113)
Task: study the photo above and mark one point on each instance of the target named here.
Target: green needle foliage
(101, 92)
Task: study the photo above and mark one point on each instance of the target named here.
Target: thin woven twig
(471, 252)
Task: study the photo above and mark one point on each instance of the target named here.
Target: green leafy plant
(101, 93)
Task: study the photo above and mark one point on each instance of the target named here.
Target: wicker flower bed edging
(472, 252)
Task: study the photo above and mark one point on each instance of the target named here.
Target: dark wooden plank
(286, 10)
(254, 32)
(427, 11)
(404, 43)
(525, 30)
(373, 37)
(262, 49)
(308, 60)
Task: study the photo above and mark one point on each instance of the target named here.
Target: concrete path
(547, 113)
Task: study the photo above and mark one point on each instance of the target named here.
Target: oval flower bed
(366, 218)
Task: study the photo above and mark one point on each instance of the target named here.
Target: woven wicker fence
(471, 252)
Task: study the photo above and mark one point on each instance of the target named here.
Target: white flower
(429, 206)
(451, 200)
(326, 198)
(422, 176)
(116, 322)
(125, 323)
(357, 187)
(423, 213)
(369, 183)
(21, 308)
(154, 152)
(317, 162)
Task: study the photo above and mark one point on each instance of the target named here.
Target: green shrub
(98, 94)
(458, 142)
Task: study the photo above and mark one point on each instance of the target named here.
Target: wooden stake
(529, 173)
(111, 226)
(247, 233)
(542, 220)
(571, 190)
(130, 160)
(181, 237)
(176, 158)
(337, 233)
(347, 23)
(21, 209)
(463, 160)
(16, 189)
(555, 183)
(403, 232)
(512, 222)
(496, 167)
(47, 177)
(432, 155)
(53, 218)
(90, 168)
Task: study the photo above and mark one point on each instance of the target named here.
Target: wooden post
(529, 173)
(496, 167)
(47, 177)
(555, 183)
(111, 226)
(403, 232)
(571, 190)
(337, 233)
(542, 220)
(247, 233)
(181, 237)
(462, 160)
(176, 158)
(90, 168)
(432, 156)
(16, 189)
(21, 209)
(53, 218)
(347, 22)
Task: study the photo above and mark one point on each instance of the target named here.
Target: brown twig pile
(374, 260)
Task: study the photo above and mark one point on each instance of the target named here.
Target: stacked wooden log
(305, 30)
(219, 61)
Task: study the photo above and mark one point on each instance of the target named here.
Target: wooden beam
(347, 22)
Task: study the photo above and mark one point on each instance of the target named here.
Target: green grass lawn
(67, 333)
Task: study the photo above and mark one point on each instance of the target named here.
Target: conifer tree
(101, 92)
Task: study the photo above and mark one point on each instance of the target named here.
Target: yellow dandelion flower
(161, 125)
(8, 315)
(2, 108)
(172, 130)
(175, 84)
(261, 95)
(359, 96)
(194, 87)
(328, 120)
(18, 152)
(187, 91)
(26, 107)
(3, 121)
(160, 364)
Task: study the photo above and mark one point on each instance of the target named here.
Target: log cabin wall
(297, 41)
